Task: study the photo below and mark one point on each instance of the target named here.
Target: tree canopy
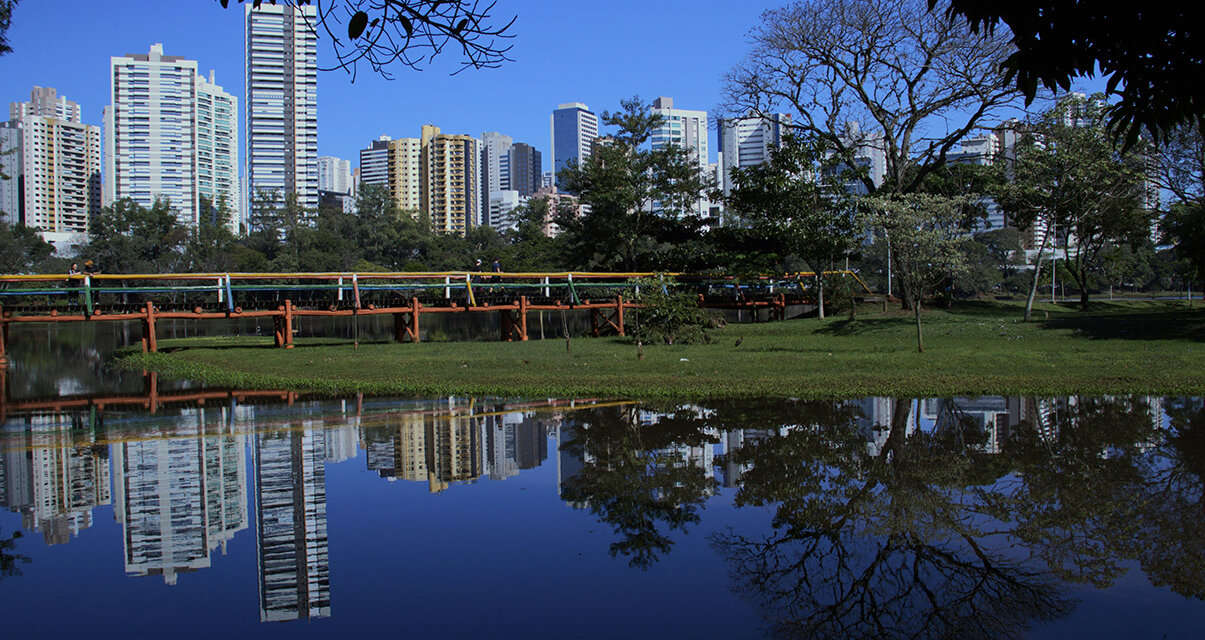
(1147, 50)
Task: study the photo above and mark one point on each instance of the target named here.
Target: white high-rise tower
(282, 103)
(172, 134)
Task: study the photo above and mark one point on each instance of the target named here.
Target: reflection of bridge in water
(284, 298)
(87, 411)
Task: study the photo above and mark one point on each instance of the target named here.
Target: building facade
(60, 184)
(170, 134)
(282, 102)
(334, 175)
(746, 142)
(450, 174)
(574, 129)
(686, 129)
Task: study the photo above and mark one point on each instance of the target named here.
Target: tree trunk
(920, 340)
(1037, 273)
(820, 282)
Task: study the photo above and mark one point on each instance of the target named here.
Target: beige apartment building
(450, 173)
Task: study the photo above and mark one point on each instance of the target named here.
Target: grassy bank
(973, 349)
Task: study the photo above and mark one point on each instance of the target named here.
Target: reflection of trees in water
(929, 536)
(9, 556)
(637, 480)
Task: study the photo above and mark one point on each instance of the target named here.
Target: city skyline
(540, 78)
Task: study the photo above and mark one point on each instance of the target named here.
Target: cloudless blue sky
(595, 53)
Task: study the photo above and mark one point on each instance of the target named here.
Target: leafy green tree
(22, 250)
(211, 247)
(1184, 226)
(129, 238)
(797, 203)
(532, 249)
(1069, 182)
(637, 200)
(925, 233)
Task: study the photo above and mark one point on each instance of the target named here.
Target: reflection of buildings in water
(875, 422)
(513, 442)
(438, 449)
(180, 493)
(290, 491)
(53, 474)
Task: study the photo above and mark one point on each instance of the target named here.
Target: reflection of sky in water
(452, 516)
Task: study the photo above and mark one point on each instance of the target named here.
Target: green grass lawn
(973, 349)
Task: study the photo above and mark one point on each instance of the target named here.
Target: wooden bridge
(285, 297)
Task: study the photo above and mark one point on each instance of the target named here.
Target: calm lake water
(279, 514)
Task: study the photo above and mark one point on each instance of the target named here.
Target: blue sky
(595, 53)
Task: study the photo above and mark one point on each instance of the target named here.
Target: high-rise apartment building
(495, 162)
(171, 134)
(45, 101)
(61, 167)
(282, 102)
(746, 142)
(686, 129)
(374, 162)
(11, 170)
(396, 165)
(405, 174)
(574, 129)
(526, 169)
(334, 175)
(450, 174)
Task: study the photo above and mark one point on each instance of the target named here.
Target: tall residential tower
(574, 129)
(282, 102)
(172, 134)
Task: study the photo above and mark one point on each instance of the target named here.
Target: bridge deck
(149, 298)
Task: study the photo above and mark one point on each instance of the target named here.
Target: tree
(797, 203)
(925, 233)
(639, 198)
(6, 21)
(129, 238)
(382, 33)
(22, 250)
(1070, 183)
(914, 82)
(1184, 226)
(1146, 51)
(211, 246)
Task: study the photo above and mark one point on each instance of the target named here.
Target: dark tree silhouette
(1145, 49)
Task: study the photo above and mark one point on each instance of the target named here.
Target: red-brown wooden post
(594, 322)
(523, 318)
(288, 328)
(399, 326)
(415, 306)
(619, 313)
(149, 341)
(278, 327)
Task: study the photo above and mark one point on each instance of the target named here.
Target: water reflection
(887, 518)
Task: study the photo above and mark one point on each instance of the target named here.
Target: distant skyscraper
(374, 162)
(46, 102)
(450, 174)
(574, 128)
(526, 169)
(282, 102)
(686, 129)
(495, 163)
(170, 134)
(290, 489)
(405, 174)
(11, 170)
(746, 142)
(61, 164)
(334, 175)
